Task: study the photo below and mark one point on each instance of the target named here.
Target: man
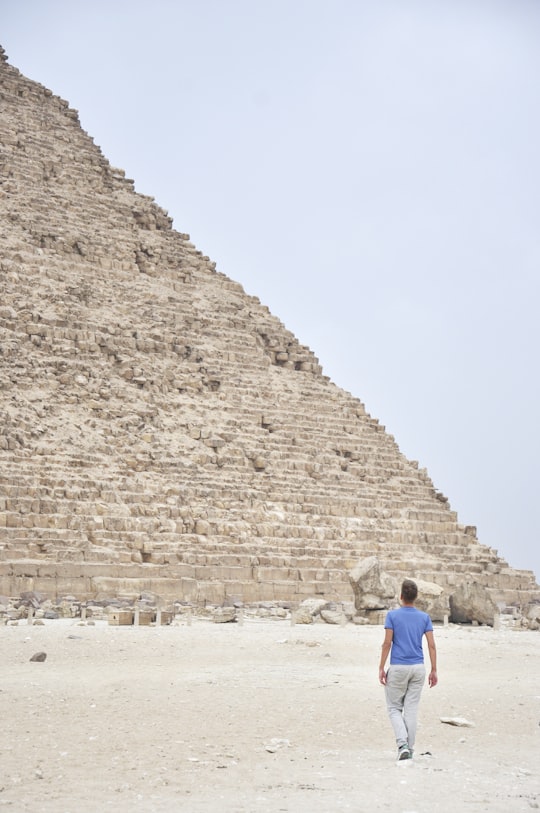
(404, 631)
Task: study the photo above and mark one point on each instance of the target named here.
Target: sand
(260, 716)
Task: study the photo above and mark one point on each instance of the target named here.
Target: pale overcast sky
(371, 171)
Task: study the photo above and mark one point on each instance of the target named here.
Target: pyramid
(160, 429)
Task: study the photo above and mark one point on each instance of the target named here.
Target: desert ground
(261, 716)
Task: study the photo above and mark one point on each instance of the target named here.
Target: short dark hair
(409, 591)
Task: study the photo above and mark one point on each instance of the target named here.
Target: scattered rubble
(149, 609)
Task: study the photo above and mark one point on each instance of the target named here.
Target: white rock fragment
(275, 744)
(459, 721)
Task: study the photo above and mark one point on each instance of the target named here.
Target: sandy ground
(260, 716)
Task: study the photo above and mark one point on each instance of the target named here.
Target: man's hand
(433, 679)
(382, 677)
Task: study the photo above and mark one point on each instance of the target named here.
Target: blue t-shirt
(409, 625)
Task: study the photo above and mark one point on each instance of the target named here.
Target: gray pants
(403, 689)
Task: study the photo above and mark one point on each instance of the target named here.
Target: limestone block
(267, 591)
(145, 617)
(336, 617)
(210, 592)
(13, 520)
(303, 616)
(313, 605)
(269, 574)
(224, 615)
(360, 620)
(472, 602)
(120, 618)
(375, 617)
(27, 569)
(432, 599)
(373, 588)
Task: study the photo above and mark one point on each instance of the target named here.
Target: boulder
(223, 615)
(360, 620)
(432, 600)
(334, 617)
(309, 609)
(373, 588)
(531, 619)
(31, 598)
(472, 602)
(303, 616)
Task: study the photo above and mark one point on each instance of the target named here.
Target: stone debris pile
(151, 610)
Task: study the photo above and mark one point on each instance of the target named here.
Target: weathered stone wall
(161, 430)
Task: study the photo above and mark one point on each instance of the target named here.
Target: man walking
(403, 682)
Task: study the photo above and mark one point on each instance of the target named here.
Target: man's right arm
(385, 651)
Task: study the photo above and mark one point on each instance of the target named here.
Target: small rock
(459, 721)
(334, 617)
(39, 657)
(303, 616)
(275, 744)
(224, 615)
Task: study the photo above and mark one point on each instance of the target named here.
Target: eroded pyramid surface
(160, 429)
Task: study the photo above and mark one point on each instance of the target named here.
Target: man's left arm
(432, 649)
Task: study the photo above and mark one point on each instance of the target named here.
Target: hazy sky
(370, 169)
